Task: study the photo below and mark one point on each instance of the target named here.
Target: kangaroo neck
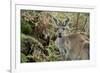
(60, 40)
(60, 44)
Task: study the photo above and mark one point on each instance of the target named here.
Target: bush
(23, 58)
(26, 27)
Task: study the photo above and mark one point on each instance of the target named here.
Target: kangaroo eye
(63, 28)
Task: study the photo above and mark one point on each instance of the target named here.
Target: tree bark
(77, 21)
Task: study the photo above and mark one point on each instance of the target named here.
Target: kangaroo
(73, 46)
(78, 45)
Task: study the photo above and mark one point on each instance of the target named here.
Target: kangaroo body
(60, 44)
(79, 46)
(74, 46)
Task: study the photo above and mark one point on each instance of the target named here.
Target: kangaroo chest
(60, 43)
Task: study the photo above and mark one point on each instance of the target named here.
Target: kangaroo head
(60, 25)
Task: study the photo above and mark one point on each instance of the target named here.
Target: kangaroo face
(60, 32)
(61, 25)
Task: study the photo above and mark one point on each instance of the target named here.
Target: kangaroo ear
(66, 21)
(55, 20)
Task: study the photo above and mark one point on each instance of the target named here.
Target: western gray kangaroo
(73, 46)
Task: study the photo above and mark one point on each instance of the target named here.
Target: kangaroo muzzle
(59, 35)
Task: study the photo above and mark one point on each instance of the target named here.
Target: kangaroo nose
(59, 35)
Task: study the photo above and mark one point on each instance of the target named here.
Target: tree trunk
(77, 22)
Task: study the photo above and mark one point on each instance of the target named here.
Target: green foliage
(31, 40)
(34, 47)
(26, 27)
(23, 58)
